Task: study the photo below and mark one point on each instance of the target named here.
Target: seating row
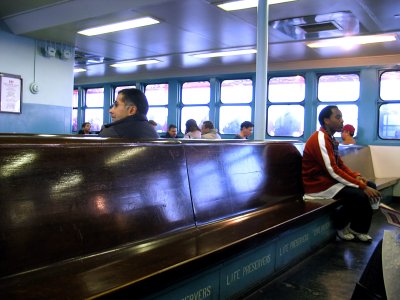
(86, 217)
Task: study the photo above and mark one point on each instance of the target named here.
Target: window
(195, 100)
(284, 117)
(94, 102)
(157, 96)
(338, 89)
(75, 98)
(389, 111)
(236, 97)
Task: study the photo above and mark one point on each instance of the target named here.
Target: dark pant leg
(356, 210)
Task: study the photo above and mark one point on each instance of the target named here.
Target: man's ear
(132, 110)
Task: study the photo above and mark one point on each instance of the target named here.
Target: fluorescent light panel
(244, 4)
(225, 53)
(119, 26)
(78, 70)
(131, 63)
(353, 40)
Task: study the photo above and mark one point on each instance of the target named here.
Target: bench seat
(135, 269)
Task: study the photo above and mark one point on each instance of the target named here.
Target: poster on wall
(10, 93)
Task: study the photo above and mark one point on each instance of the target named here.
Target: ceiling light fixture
(244, 4)
(78, 70)
(131, 63)
(225, 53)
(119, 26)
(353, 40)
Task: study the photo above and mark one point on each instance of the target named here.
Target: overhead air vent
(84, 59)
(330, 25)
(317, 27)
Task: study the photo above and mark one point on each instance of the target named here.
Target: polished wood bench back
(63, 198)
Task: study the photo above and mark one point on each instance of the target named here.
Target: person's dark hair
(137, 98)
(246, 124)
(191, 125)
(84, 124)
(171, 126)
(325, 113)
(208, 124)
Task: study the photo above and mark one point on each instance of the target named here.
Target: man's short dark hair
(246, 124)
(208, 124)
(137, 98)
(326, 113)
(84, 124)
(171, 126)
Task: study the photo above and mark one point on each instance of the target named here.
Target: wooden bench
(89, 217)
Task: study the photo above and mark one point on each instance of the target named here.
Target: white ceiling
(190, 26)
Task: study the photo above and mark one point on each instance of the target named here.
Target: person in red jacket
(326, 176)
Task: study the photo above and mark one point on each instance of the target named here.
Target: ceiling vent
(84, 59)
(330, 25)
(317, 27)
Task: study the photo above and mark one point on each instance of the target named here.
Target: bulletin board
(10, 93)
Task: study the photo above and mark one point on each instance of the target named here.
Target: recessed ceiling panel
(335, 24)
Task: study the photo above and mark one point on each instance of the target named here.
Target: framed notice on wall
(10, 93)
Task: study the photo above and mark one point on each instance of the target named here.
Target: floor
(329, 274)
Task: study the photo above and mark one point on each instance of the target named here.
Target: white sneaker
(363, 237)
(345, 234)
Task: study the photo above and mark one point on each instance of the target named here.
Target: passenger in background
(85, 128)
(192, 130)
(172, 132)
(128, 116)
(246, 129)
(347, 135)
(209, 132)
(325, 176)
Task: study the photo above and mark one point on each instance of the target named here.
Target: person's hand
(363, 179)
(373, 195)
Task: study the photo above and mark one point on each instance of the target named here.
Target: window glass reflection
(389, 85)
(389, 121)
(95, 117)
(196, 92)
(159, 115)
(236, 91)
(286, 89)
(232, 116)
(95, 97)
(285, 120)
(339, 87)
(157, 94)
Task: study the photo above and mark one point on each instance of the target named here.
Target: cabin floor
(331, 273)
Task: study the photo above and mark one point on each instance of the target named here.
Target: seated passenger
(326, 176)
(209, 132)
(246, 129)
(192, 130)
(85, 128)
(129, 117)
(347, 135)
(172, 132)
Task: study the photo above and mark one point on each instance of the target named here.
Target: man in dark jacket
(128, 116)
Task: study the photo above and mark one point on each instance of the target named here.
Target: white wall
(386, 161)
(55, 77)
